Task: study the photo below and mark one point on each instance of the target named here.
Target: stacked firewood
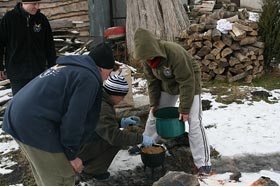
(5, 96)
(227, 56)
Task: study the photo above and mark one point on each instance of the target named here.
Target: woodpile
(5, 96)
(227, 56)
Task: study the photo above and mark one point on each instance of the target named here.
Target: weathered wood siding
(255, 4)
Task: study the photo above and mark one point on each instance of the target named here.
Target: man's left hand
(77, 164)
(183, 117)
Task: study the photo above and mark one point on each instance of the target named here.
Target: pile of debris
(225, 42)
(5, 96)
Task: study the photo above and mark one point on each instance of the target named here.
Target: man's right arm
(3, 37)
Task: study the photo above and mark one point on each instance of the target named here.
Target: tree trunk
(164, 18)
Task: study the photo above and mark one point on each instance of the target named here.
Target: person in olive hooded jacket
(56, 112)
(26, 44)
(171, 74)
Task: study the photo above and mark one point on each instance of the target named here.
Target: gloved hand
(147, 141)
(132, 120)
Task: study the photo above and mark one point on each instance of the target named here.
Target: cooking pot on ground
(154, 156)
(168, 124)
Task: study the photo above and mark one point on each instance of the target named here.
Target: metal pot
(168, 124)
(153, 160)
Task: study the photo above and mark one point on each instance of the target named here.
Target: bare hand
(154, 109)
(77, 164)
(183, 117)
(2, 75)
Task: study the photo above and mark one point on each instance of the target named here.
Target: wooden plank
(4, 82)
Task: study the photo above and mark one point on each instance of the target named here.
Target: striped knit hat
(116, 85)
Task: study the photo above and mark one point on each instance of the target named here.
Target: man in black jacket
(58, 111)
(26, 44)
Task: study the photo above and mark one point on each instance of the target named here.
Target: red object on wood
(114, 32)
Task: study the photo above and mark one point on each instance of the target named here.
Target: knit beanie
(30, 1)
(103, 56)
(116, 85)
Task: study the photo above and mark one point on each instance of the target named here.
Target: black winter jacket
(27, 42)
(59, 109)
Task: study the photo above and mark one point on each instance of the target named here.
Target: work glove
(132, 120)
(147, 141)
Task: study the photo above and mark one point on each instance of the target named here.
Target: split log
(205, 62)
(235, 46)
(248, 40)
(233, 36)
(209, 57)
(208, 35)
(243, 27)
(258, 44)
(241, 57)
(208, 43)
(227, 51)
(197, 45)
(233, 61)
(216, 35)
(238, 77)
(197, 27)
(222, 64)
(227, 40)
(213, 65)
(236, 70)
(215, 51)
(221, 78)
(219, 44)
(204, 51)
(219, 70)
(196, 37)
(206, 77)
(260, 58)
(192, 51)
(233, 19)
(253, 33)
(238, 33)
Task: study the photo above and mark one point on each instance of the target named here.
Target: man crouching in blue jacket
(56, 112)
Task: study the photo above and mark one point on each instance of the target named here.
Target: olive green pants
(49, 169)
(97, 156)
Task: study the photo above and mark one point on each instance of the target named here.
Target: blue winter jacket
(59, 109)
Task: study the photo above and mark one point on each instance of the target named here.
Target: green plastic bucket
(167, 122)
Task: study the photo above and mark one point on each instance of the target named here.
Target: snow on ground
(252, 127)
(249, 128)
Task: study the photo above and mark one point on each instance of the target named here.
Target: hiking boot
(204, 171)
(102, 176)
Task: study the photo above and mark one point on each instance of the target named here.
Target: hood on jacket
(80, 60)
(146, 45)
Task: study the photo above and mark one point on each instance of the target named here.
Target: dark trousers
(97, 156)
(18, 84)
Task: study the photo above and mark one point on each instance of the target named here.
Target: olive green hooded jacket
(177, 74)
(108, 127)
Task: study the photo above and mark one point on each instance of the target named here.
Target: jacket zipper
(27, 19)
